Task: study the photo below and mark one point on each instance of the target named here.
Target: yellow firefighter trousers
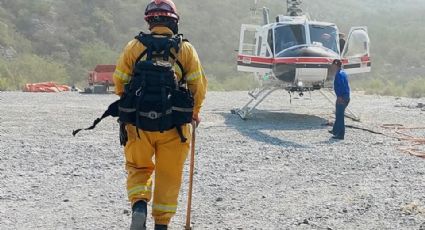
(170, 154)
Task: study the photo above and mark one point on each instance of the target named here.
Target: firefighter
(162, 152)
(342, 91)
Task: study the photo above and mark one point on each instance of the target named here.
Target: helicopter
(295, 53)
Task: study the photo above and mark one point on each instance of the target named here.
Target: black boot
(138, 217)
(160, 227)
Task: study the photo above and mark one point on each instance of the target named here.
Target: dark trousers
(339, 125)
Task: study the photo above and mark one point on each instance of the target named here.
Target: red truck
(100, 79)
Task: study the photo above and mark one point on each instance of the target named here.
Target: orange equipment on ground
(49, 87)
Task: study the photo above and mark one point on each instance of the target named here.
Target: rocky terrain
(277, 170)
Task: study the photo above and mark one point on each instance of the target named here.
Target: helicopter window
(357, 44)
(288, 36)
(260, 42)
(248, 44)
(270, 41)
(324, 36)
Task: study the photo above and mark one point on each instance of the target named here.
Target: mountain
(67, 38)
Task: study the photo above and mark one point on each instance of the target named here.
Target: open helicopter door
(356, 53)
(250, 49)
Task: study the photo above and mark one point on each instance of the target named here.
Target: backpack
(154, 100)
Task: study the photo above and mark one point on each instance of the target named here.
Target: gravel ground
(277, 170)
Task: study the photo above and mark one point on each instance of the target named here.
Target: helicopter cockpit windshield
(288, 36)
(324, 36)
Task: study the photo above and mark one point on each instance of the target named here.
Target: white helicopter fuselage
(297, 53)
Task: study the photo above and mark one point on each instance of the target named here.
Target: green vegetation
(27, 68)
(59, 40)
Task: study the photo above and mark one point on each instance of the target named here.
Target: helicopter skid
(348, 112)
(257, 96)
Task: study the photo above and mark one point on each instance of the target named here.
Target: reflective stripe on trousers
(139, 190)
(165, 208)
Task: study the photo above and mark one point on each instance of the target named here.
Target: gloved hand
(196, 119)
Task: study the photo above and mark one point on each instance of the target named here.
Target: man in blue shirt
(342, 91)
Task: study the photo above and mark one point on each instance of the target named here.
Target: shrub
(415, 88)
(93, 54)
(29, 69)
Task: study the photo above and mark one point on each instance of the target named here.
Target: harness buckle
(139, 92)
(153, 115)
(162, 63)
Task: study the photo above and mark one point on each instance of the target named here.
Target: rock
(219, 199)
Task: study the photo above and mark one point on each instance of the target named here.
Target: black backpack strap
(175, 43)
(141, 55)
(123, 133)
(111, 111)
(183, 79)
(147, 40)
(180, 39)
(141, 39)
(180, 132)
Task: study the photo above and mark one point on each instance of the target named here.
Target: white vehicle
(295, 53)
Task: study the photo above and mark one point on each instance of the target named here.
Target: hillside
(68, 38)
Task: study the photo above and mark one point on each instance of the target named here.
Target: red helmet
(165, 8)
